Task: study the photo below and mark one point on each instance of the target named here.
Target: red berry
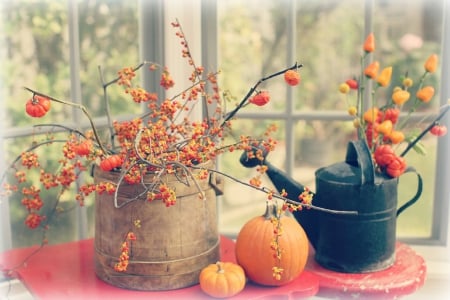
(292, 77)
(438, 130)
(352, 83)
(384, 155)
(396, 167)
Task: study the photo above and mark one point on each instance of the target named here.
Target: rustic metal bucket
(173, 243)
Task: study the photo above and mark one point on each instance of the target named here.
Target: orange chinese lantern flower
(396, 137)
(385, 128)
(431, 63)
(371, 70)
(401, 96)
(371, 115)
(425, 94)
(369, 43)
(385, 76)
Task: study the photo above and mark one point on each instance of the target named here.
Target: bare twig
(250, 92)
(278, 196)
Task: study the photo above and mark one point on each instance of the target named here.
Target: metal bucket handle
(358, 155)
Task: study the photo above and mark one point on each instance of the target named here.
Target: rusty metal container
(173, 243)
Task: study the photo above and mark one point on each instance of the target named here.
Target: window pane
(37, 56)
(252, 43)
(328, 35)
(416, 221)
(108, 39)
(240, 203)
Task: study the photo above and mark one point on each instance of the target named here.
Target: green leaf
(420, 149)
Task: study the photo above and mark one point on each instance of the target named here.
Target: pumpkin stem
(220, 270)
(271, 211)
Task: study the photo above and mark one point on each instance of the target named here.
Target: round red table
(403, 278)
(66, 271)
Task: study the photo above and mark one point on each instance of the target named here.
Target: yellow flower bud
(344, 88)
(352, 110)
(396, 89)
(408, 82)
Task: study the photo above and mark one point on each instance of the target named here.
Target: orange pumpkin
(255, 255)
(222, 279)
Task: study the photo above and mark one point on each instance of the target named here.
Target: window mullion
(291, 57)
(75, 94)
(209, 41)
(151, 41)
(442, 189)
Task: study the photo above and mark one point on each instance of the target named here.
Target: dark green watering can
(351, 243)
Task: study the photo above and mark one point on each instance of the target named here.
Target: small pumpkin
(222, 279)
(111, 162)
(255, 255)
(261, 98)
(37, 106)
(83, 148)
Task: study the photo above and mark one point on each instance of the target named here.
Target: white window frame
(154, 17)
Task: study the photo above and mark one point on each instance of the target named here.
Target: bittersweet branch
(231, 114)
(78, 106)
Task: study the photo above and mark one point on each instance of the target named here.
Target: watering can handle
(416, 196)
(358, 155)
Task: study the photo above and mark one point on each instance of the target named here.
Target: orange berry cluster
(124, 258)
(163, 193)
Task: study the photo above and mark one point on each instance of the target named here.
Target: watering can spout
(306, 217)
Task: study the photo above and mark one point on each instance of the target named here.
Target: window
(247, 40)
(312, 121)
(56, 46)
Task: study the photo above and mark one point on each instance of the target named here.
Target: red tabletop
(66, 271)
(403, 278)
